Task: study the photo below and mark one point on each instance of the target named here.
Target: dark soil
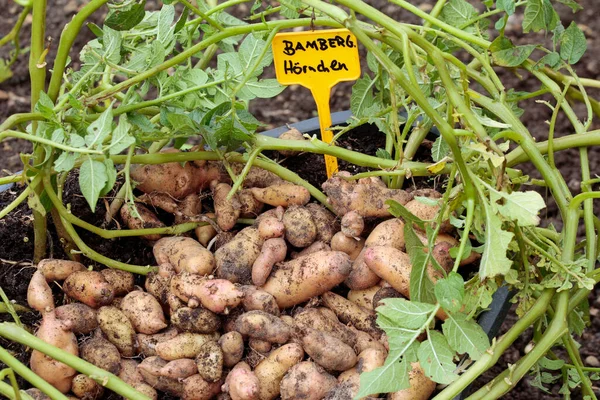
(294, 104)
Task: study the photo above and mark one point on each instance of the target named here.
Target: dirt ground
(292, 105)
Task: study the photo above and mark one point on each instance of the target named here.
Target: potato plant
(256, 311)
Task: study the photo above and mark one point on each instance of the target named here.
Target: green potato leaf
(464, 335)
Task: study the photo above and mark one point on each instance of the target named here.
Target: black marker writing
(319, 44)
(290, 67)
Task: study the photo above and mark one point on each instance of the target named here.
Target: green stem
(575, 357)
(15, 203)
(20, 118)
(8, 391)
(48, 142)
(201, 14)
(14, 32)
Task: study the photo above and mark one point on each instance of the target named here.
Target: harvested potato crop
(147, 343)
(217, 295)
(300, 230)
(184, 254)
(39, 294)
(367, 198)
(205, 233)
(77, 317)
(234, 260)
(313, 318)
(179, 369)
(256, 178)
(350, 313)
(144, 312)
(270, 227)
(242, 383)
(195, 320)
(421, 387)
(232, 345)
(226, 211)
(308, 381)
(259, 346)
(291, 134)
(361, 277)
(272, 369)
(326, 222)
(89, 287)
(273, 251)
(364, 298)
(130, 375)
(184, 345)
(282, 194)
(250, 207)
(85, 387)
(196, 388)
(102, 353)
(58, 270)
(150, 369)
(141, 218)
(118, 329)
(328, 351)
(209, 361)
(350, 246)
(298, 280)
(385, 293)
(263, 326)
(188, 209)
(121, 281)
(258, 299)
(352, 224)
(313, 248)
(365, 341)
(159, 200)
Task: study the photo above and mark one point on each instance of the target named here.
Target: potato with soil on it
(313, 318)
(102, 353)
(205, 233)
(184, 254)
(85, 387)
(308, 381)
(150, 369)
(141, 218)
(385, 293)
(89, 287)
(350, 246)
(242, 383)
(227, 211)
(273, 251)
(300, 230)
(196, 388)
(179, 369)
(256, 178)
(291, 134)
(272, 369)
(257, 299)
(250, 207)
(261, 325)
(353, 224)
(147, 343)
(364, 298)
(118, 329)
(313, 248)
(232, 346)
(216, 295)
(282, 194)
(270, 227)
(184, 345)
(298, 280)
(159, 200)
(195, 320)
(39, 294)
(188, 209)
(234, 260)
(130, 375)
(209, 361)
(328, 351)
(144, 312)
(121, 281)
(77, 317)
(421, 387)
(58, 270)
(351, 313)
(326, 222)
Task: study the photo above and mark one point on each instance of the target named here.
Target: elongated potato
(365, 341)
(273, 251)
(39, 294)
(209, 361)
(196, 388)
(300, 230)
(327, 351)
(150, 369)
(159, 200)
(452, 242)
(89, 287)
(250, 207)
(258, 299)
(86, 388)
(77, 317)
(58, 270)
(144, 312)
(130, 375)
(234, 260)
(261, 325)
(325, 221)
(298, 280)
(189, 208)
(232, 345)
(185, 254)
(195, 320)
(227, 211)
(270, 227)
(306, 380)
(421, 387)
(179, 369)
(312, 318)
(283, 194)
(118, 329)
(364, 298)
(350, 313)
(205, 233)
(242, 383)
(350, 246)
(184, 345)
(272, 369)
(147, 343)
(217, 295)
(387, 233)
(141, 218)
(102, 353)
(313, 248)
(121, 281)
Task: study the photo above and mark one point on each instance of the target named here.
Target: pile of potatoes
(253, 314)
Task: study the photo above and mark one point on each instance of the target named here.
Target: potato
(328, 351)
(452, 242)
(185, 254)
(427, 208)
(350, 313)
(86, 388)
(179, 369)
(364, 298)
(55, 333)
(121, 281)
(352, 224)
(350, 246)
(298, 280)
(349, 380)
(300, 230)
(77, 317)
(326, 223)
(387, 233)
(256, 177)
(141, 218)
(232, 345)
(158, 286)
(39, 294)
(361, 277)
(89, 287)
(147, 343)
(159, 200)
(118, 329)
(150, 369)
(234, 260)
(312, 318)
(209, 361)
(263, 326)
(259, 346)
(58, 270)
(144, 312)
(227, 211)
(365, 341)
(205, 233)
(217, 295)
(102, 353)
(184, 345)
(258, 299)
(189, 209)
(130, 375)
(291, 134)
(385, 293)
(421, 387)
(282, 194)
(306, 380)
(242, 383)
(313, 248)
(250, 207)
(272, 369)
(195, 320)
(196, 388)
(270, 227)
(273, 251)
(37, 394)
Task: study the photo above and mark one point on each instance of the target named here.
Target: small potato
(130, 375)
(313, 248)
(195, 320)
(312, 318)
(350, 313)
(250, 206)
(77, 317)
(365, 341)
(361, 277)
(298, 280)
(256, 178)
(158, 286)
(196, 388)
(421, 387)
(188, 209)
(232, 345)
(205, 233)
(159, 200)
(385, 293)
(283, 194)
(273, 251)
(185, 254)
(369, 359)
(141, 218)
(261, 325)
(392, 265)
(325, 221)
(272, 369)
(144, 312)
(184, 345)
(291, 134)
(58, 270)
(270, 227)
(260, 346)
(150, 369)
(352, 224)
(257, 299)
(306, 380)
(227, 211)
(90, 288)
(217, 295)
(118, 329)
(102, 353)
(209, 361)
(85, 387)
(350, 246)
(242, 383)
(300, 230)
(364, 298)
(327, 351)
(121, 281)
(234, 260)
(39, 294)
(179, 369)
(387, 233)
(147, 343)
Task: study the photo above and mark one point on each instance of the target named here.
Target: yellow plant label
(317, 60)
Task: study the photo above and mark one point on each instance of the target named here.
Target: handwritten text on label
(317, 44)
